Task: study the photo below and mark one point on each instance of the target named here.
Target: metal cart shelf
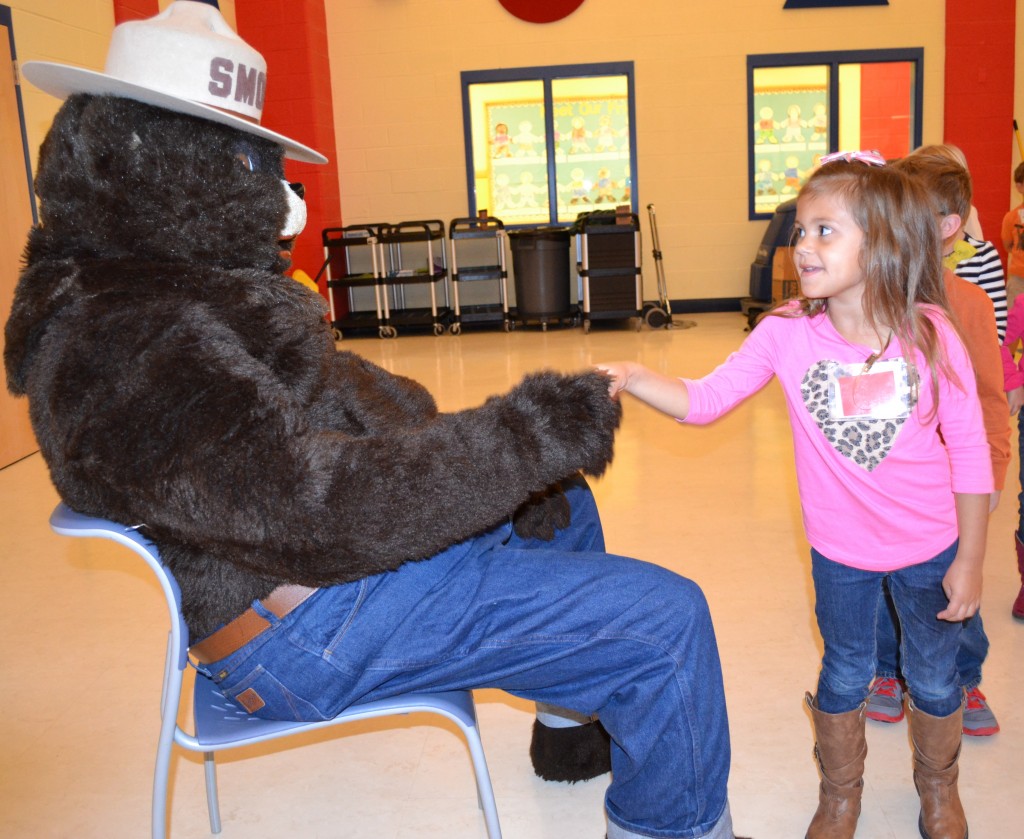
(476, 236)
(608, 248)
(413, 253)
(355, 246)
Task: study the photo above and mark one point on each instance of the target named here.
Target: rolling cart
(472, 234)
(414, 254)
(658, 315)
(355, 247)
(608, 250)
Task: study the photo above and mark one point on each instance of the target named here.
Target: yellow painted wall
(68, 31)
(395, 74)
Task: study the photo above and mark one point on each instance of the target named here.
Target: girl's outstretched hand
(619, 373)
(665, 393)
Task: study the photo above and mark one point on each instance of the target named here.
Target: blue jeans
(969, 658)
(559, 622)
(847, 605)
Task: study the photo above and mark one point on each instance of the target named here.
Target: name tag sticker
(881, 393)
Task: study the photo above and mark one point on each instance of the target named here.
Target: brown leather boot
(936, 743)
(840, 749)
(1018, 604)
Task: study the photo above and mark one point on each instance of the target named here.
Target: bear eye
(246, 161)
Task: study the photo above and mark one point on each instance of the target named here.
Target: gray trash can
(540, 260)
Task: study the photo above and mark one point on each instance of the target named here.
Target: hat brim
(63, 80)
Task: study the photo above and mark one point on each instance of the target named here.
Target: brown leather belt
(235, 635)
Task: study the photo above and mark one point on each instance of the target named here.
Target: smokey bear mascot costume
(335, 537)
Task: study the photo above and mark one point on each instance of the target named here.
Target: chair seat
(221, 723)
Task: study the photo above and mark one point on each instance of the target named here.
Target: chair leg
(212, 799)
(484, 790)
(161, 776)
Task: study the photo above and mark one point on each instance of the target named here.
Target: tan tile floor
(81, 642)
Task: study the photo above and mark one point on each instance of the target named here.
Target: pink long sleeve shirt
(876, 480)
(1013, 371)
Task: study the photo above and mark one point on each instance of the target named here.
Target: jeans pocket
(263, 695)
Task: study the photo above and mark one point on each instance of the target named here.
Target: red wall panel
(979, 100)
(293, 39)
(134, 9)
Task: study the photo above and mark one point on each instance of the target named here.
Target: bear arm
(202, 443)
(358, 393)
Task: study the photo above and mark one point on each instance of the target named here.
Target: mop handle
(1020, 147)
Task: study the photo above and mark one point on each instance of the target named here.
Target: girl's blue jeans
(847, 604)
(559, 622)
(969, 658)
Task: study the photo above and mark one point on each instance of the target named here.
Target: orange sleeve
(1006, 230)
(976, 321)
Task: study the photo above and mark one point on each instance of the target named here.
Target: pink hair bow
(870, 157)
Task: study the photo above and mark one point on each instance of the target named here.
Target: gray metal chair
(220, 724)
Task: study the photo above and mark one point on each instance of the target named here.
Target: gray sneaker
(979, 721)
(885, 700)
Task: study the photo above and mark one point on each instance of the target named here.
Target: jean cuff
(722, 829)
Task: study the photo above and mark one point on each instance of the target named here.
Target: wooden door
(16, 438)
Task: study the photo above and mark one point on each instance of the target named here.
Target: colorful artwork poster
(591, 154)
(517, 183)
(591, 148)
(789, 136)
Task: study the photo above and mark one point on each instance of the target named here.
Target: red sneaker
(979, 721)
(885, 701)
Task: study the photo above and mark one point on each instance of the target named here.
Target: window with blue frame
(801, 106)
(544, 144)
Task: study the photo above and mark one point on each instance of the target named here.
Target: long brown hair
(901, 256)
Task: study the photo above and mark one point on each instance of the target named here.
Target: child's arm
(669, 395)
(1012, 375)
(1007, 229)
(1016, 399)
(962, 582)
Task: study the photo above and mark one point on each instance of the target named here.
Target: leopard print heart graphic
(865, 441)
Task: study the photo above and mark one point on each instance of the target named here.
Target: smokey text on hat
(249, 84)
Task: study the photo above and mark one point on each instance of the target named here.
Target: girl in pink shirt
(892, 464)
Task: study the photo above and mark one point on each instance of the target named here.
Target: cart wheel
(656, 318)
(543, 326)
(337, 334)
(509, 326)
(586, 326)
(455, 328)
(438, 329)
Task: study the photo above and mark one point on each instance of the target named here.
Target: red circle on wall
(541, 11)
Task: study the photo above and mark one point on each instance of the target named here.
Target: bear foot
(577, 753)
